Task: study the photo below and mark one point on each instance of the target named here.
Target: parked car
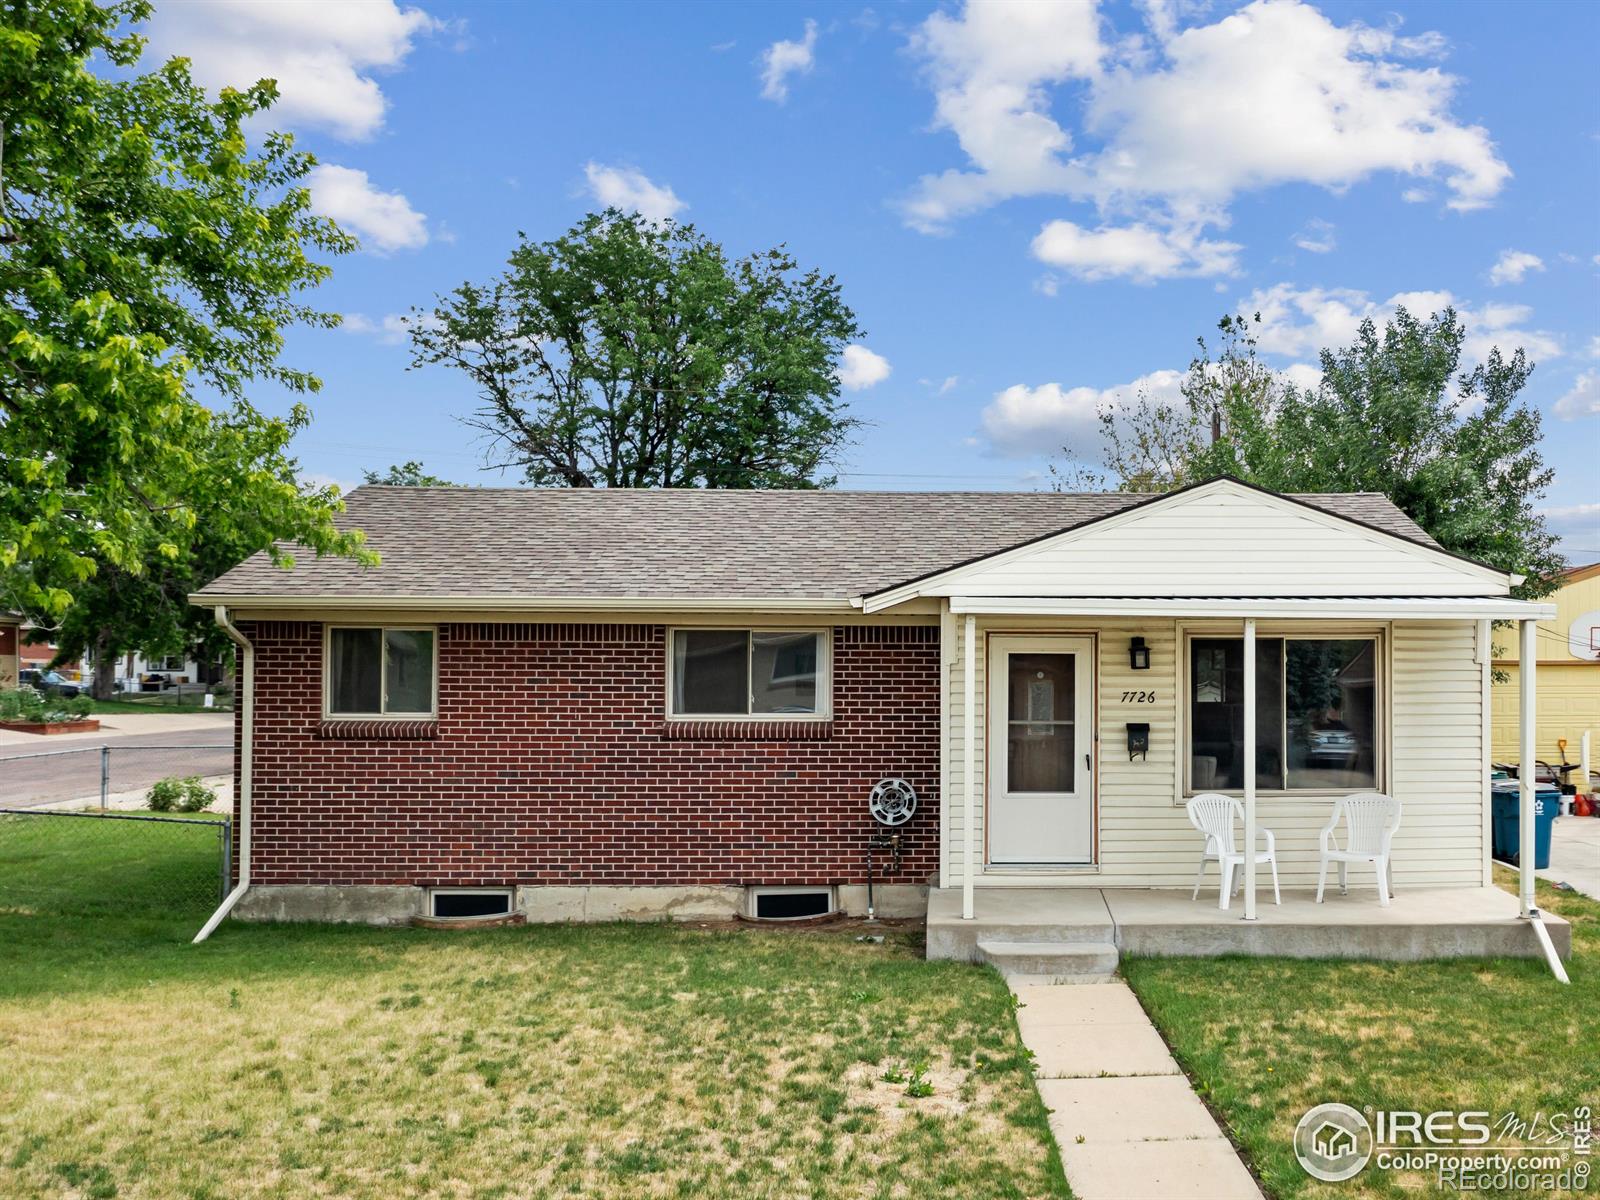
(1332, 745)
(49, 683)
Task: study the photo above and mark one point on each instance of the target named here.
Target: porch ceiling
(1382, 608)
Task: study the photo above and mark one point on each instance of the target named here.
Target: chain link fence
(86, 864)
(111, 777)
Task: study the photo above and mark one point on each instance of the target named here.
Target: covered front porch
(1259, 651)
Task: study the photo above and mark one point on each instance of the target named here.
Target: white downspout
(969, 754)
(1527, 773)
(1527, 779)
(246, 700)
(1249, 770)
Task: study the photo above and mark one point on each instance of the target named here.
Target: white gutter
(1396, 608)
(246, 694)
(514, 605)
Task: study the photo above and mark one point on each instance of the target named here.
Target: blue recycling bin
(1505, 829)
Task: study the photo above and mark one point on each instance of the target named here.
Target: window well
(465, 903)
(790, 903)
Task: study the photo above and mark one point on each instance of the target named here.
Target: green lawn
(1266, 1039)
(153, 702)
(608, 1061)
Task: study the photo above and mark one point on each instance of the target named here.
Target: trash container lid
(1514, 787)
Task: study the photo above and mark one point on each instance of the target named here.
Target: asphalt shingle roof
(666, 544)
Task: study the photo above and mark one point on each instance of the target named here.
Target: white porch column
(969, 758)
(1526, 770)
(1249, 769)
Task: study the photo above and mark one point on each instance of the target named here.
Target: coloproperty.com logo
(1333, 1142)
(1462, 1151)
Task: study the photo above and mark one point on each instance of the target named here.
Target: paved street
(140, 755)
(1575, 854)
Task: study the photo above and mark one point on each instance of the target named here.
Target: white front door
(1041, 750)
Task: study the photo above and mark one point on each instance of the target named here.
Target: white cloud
(317, 479)
(1138, 252)
(1317, 236)
(390, 329)
(862, 368)
(1582, 400)
(783, 59)
(990, 68)
(384, 220)
(1592, 350)
(322, 54)
(1513, 266)
(1179, 122)
(632, 191)
(1025, 422)
(1301, 321)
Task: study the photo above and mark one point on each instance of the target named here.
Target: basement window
(469, 903)
(790, 903)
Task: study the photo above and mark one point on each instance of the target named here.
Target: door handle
(1087, 765)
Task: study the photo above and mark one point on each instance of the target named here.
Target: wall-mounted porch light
(1139, 655)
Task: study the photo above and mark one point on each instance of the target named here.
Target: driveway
(1575, 854)
(144, 748)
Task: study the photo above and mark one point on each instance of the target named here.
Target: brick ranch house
(599, 704)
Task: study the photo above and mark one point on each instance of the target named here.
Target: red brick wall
(550, 765)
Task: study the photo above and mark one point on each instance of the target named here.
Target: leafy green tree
(406, 474)
(1456, 450)
(627, 353)
(147, 252)
(116, 610)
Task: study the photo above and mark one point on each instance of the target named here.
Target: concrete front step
(1064, 962)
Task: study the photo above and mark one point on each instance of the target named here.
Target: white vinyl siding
(1222, 543)
(1432, 733)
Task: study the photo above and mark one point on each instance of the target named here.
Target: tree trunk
(105, 667)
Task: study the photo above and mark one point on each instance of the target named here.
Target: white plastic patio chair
(1213, 814)
(1371, 819)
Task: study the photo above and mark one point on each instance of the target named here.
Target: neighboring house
(38, 651)
(627, 703)
(139, 672)
(1567, 686)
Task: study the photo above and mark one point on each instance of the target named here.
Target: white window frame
(1382, 671)
(383, 674)
(824, 672)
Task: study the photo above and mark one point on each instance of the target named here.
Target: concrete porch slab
(1015, 915)
(1419, 923)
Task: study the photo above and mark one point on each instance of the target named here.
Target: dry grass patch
(603, 1061)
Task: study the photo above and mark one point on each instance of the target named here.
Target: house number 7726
(1138, 697)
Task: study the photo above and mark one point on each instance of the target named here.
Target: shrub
(20, 704)
(185, 794)
(26, 704)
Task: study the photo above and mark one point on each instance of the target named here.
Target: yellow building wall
(1568, 687)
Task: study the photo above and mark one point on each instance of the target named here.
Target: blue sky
(1033, 207)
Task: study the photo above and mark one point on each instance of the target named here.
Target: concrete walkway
(1126, 1119)
(1575, 854)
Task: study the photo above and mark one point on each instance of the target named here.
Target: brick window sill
(746, 731)
(377, 731)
